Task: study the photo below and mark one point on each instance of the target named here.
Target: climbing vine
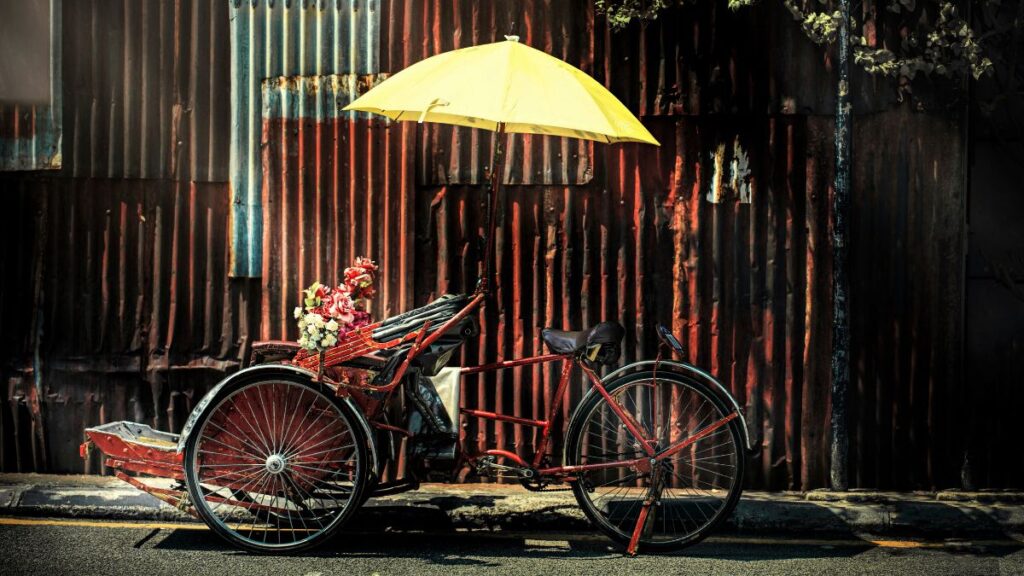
(933, 38)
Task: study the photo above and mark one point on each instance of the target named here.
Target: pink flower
(338, 305)
(342, 307)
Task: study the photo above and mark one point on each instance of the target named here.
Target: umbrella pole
(493, 199)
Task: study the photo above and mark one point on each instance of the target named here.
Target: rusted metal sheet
(737, 279)
(30, 132)
(336, 185)
(146, 90)
(118, 306)
(272, 38)
(730, 213)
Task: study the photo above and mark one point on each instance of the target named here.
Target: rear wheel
(276, 464)
(657, 504)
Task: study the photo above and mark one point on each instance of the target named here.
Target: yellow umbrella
(505, 87)
(505, 83)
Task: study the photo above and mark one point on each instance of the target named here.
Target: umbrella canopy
(505, 86)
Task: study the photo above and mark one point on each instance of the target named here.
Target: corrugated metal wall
(119, 306)
(907, 355)
(337, 185)
(145, 90)
(722, 232)
(116, 301)
(272, 38)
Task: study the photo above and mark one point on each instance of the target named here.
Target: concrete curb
(437, 507)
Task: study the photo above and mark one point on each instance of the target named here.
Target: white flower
(328, 341)
(312, 329)
(298, 312)
(332, 326)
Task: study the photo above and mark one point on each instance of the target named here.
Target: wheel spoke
(705, 462)
(273, 468)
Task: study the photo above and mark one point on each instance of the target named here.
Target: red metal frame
(422, 339)
(556, 404)
(167, 463)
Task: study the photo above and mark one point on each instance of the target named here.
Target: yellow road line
(100, 524)
(537, 539)
(905, 544)
(129, 525)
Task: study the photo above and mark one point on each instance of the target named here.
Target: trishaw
(280, 455)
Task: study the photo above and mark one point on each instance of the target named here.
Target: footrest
(137, 447)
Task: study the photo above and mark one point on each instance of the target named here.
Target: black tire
(619, 527)
(331, 462)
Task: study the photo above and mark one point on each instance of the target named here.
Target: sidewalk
(439, 507)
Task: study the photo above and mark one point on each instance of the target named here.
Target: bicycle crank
(489, 467)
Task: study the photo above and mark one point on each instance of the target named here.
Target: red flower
(346, 303)
(322, 291)
(360, 278)
(360, 318)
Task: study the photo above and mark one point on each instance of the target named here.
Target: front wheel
(276, 463)
(660, 503)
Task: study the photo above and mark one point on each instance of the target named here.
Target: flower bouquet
(328, 314)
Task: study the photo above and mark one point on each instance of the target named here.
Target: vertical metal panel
(30, 134)
(642, 245)
(336, 185)
(123, 292)
(120, 285)
(907, 238)
(272, 38)
(146, 87)
(703, 58)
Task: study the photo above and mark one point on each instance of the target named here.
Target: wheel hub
(276, 463)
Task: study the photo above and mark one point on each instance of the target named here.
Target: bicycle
(278, 456)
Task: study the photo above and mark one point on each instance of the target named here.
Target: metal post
(840, 281)
(493, 199)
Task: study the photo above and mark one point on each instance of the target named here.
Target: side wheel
(656, 504)
(276, 464)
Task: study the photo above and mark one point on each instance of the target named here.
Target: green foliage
(948, 48)
(936, 41)
(621, 12)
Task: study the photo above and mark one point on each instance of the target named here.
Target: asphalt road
(54, 547)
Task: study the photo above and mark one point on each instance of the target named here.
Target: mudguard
(694, 372)
(270, 370)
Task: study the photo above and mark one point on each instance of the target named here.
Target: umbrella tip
(512, 38)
